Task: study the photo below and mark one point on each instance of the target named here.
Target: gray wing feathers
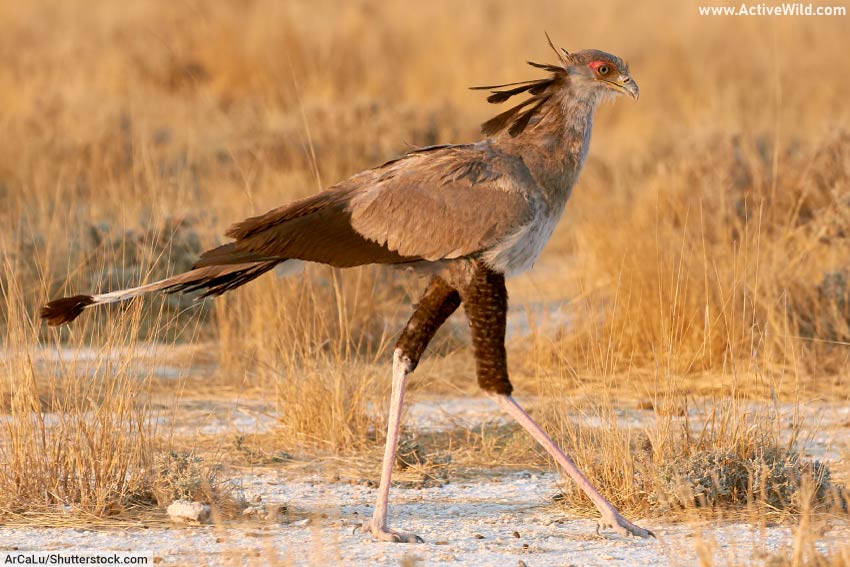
(458, 202)
(433, 204)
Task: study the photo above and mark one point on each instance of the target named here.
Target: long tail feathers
(214, 279)
(66, 309)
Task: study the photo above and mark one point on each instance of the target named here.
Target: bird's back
(431, 205)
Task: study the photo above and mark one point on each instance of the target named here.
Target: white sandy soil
(465, 523)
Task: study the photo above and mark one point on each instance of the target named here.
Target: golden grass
(75, 439)
(703, 256)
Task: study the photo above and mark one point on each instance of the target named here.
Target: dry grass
(704, 254)
(73, 441)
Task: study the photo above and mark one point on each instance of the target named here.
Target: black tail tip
(65, 310)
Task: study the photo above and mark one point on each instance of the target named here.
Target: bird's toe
(623, 527)
(383, 533)
(387, 534)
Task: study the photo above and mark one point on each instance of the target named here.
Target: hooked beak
(625, 85)
(630, 87)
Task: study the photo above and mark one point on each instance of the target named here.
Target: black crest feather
(547, 66)
(531, 87)
(516, 119)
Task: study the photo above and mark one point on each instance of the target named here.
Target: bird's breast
(518, 252)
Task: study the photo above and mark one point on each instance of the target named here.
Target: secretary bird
(466, 215)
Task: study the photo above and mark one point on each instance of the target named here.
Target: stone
(188, 511)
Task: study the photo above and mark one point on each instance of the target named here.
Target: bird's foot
(383, 533)
(621, 526)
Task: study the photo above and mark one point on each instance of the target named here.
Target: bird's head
(593, 72)
(589, 76)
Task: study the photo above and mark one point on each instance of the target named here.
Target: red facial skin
(595, 65)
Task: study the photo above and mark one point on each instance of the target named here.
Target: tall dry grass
(735, 263)
(703, 252)
(77, 432)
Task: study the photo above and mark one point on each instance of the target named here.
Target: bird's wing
(444, 204)
(436, 203)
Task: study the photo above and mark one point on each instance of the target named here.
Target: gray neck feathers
(555, 143)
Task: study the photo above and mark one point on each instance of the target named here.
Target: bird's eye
(603, 69)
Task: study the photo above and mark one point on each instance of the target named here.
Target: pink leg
(611, 518)
(378, 524)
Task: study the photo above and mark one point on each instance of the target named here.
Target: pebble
(187, 511)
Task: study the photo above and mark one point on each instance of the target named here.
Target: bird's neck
(555, 144)
(576, 124)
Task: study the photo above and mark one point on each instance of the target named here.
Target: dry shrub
(816, 559)
(726, 452)
(670, 470)
(774, 479)
(180, 475)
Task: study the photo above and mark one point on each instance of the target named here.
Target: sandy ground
(497, 519)
(501, 521)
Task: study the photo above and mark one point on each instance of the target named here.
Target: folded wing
(433, 204)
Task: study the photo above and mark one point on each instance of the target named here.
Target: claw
(622, 526)
(383, 533)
